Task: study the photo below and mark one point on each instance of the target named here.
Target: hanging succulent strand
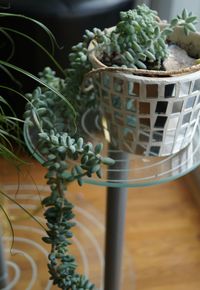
(59, 211)
(44, 110)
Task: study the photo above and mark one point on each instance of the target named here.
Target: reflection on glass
(133, 89)
(144, 108)
(160, 122)
(157, 136)
(152, 91)
(170, 91)
(161, 107)
(169, 138)
(186, 118)
(116, 102)
(172, 123)
(117, 85)
(177, 107)
(190, 102)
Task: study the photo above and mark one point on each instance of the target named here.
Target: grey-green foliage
(138, 40)
(81, 95)
(59, 211)
(9, 132)
(47, 112)
(47, 108)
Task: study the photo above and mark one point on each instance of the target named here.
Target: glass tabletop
(130, 170)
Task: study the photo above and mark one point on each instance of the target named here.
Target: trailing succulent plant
(137, 41)
(45, 111)
(59, 211)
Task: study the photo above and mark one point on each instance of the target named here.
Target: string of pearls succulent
(59, 211)
(46, 112)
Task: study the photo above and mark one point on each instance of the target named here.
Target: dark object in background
(67, 19)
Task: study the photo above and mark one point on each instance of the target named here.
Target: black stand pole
(115, 223)
(3, 268)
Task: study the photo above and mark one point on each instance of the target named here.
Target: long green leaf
(9, 155)
(10, 125)
(11, 42)
(38, 23)
(8, 73)
(25, 210)
(14, 91)
(4, 139)
(7, 135)
(14, 119)
(28, 74)
(10, 224)
(37, 44)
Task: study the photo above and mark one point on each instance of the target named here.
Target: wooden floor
(162, 248)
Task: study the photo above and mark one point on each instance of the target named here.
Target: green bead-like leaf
(184, 14)
(79, 143)
(98, 148)
(80, 181)
(95, 168)
(99, 173)
(140, 64)
(174, 22)
(51, 157)
(129, 56)
(44, 136)
(107, 161)
(54, 140)
(190, 27)
(61, 149)
(191, 19)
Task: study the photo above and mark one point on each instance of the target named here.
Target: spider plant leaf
(28, 74)
(9, 155)
(37, 44)
(4, 139)
(17, 93)
(5, 135)
(38, 23)
(10, 75)
(23, 208)
(12, 43)
(10, 224)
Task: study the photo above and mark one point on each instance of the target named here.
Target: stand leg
(3, 268)
(115, 224)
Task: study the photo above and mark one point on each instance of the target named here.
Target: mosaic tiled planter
(149, 115)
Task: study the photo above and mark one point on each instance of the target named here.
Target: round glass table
(128, 171)
(140, 170)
